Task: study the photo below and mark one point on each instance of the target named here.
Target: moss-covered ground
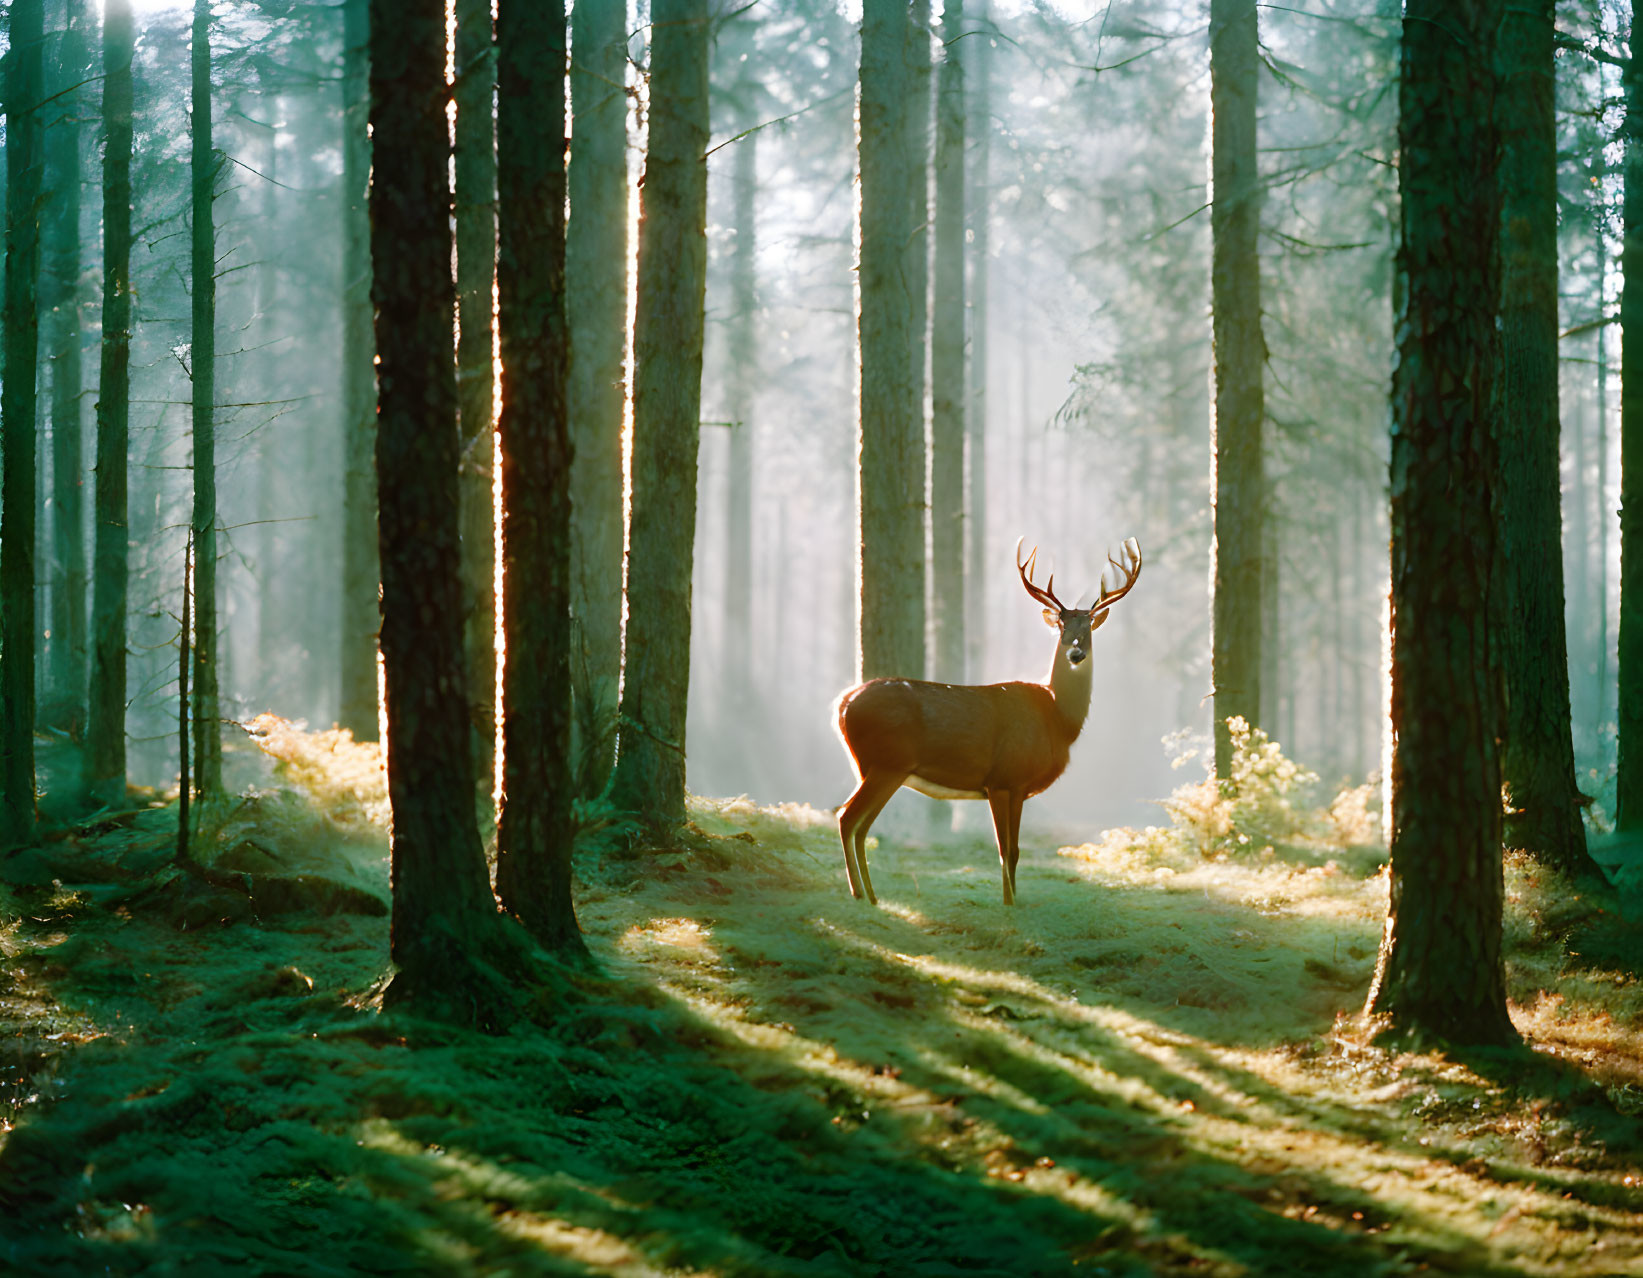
(1150, 1066)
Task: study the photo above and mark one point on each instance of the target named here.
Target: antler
(1046, 595)
(1130, 571)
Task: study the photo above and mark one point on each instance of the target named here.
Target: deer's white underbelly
(941, 791)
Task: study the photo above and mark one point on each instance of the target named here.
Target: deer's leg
(1017, 799)
(856, 817)
(1002, 802)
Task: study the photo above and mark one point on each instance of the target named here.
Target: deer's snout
(1075, 655)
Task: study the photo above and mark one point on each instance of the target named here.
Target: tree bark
(1629, 772)
(1537, 754)
(1440, 972)
(890, 477)
(596, 288)
(1240, 359)
(475, 382)
(203, 369)
(360, 576)
(105, 729)
(24, 157)
(947, 373)
(450, 945)
(67, 679)
(739, 703)
(650, 770)
(536, 828)
(977, 54)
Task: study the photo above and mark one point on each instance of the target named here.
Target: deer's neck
(1070, 686)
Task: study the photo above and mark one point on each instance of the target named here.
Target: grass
(1150, 1066)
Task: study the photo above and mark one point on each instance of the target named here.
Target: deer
(1003, 742)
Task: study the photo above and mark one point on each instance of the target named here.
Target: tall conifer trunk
(977, 57)
(536, 828)
(67, 678)
(1629, 778)
(650, 770)
(890, 477)
(475, 382)
(1537, 756)
(24, 157)
(1440, 972)
(1240, 359)
(596, 288)
(359, 614)
(105, 728)
(947, 371)
(203, 367)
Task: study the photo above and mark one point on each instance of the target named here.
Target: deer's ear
(1052, 618)
(1099, 620)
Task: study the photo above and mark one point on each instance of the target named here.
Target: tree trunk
(1537, 754)
(105, 729)
(742, 353)
(446, 936)
(24, 156)
(891, 475)
(1240, 358)
(650, 771)
(475, 383)
(536, 829)
(1440, 972)
(947, 360)
(596, 289)
(360, 616)
(203, 367)
(62, 248)
(1629, 775)
(979, 109)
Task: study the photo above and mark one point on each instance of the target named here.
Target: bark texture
(536, 828)
(947, 362)
(596, 288)
(1537, 754)
(976, 55)
(203, 370)
(446, 937)
(1629, 778)
(359, 615)
(1439, 972)
(650, 770)
(475, 380)
(67, 669)
(1240, 359)
(24, 160)
(891, 477)
(105, 728)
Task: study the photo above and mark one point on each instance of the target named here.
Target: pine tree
(650, 769)
(106, 720)
(1440, 972)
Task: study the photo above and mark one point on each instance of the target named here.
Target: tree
(24, 157)
(979, 114)
(1240, 357)
(596, 289)
(891, 474)
(536, 827)
(947, 373)
(62, 305)
(358, 605)
(742, 353)
(446, 937)
(1439, 971)
(106, 720)
(203, 370)
(667, 342)
(1537, 754)
(1629, 775)
(475, 384)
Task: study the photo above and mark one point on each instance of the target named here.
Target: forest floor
(1150, 1066)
